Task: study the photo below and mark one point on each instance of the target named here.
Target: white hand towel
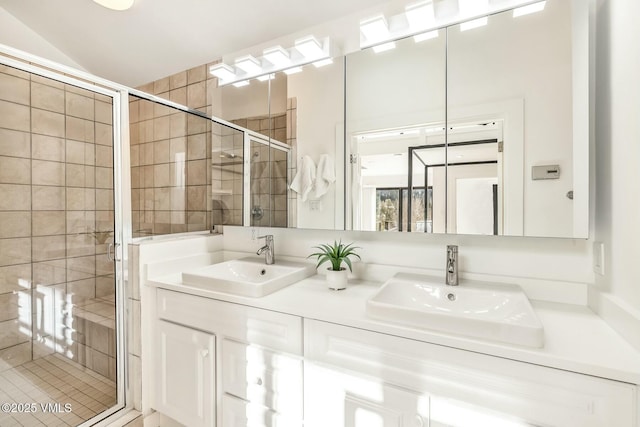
(305, 178)
(326, 175)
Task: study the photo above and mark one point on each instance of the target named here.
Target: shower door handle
(112, 252)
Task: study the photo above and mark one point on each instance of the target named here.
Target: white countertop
(576, 339)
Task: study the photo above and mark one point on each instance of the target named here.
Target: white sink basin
(248, 276)
(483, 310)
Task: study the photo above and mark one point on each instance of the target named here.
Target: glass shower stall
(86, 167)
(60, 353)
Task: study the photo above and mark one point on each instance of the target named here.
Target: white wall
(617, 156)
(15, 34)
(561, 260)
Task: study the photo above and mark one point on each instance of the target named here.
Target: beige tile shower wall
(56, 210)
(15, 218)
(171, 157)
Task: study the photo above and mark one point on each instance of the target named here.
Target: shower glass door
(267, 175)
(59, 267)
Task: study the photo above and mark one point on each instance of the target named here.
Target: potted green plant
(336, 254)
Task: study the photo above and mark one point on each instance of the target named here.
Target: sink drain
(263, 272)
(451, 297)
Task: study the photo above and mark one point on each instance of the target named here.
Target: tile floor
(54, 379)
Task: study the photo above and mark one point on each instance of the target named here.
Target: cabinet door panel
(185, 374)
(340, 399)
(263, 377)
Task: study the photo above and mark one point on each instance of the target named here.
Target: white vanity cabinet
(257, 354)
(230, 365)
(448, 387)
(185, 374)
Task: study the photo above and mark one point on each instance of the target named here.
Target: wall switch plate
(598, 258)
(545, 172)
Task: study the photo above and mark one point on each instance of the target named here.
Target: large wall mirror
(466, 130)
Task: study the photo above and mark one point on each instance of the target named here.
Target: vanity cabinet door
(340, 399)
(185, 374)
(262, 377)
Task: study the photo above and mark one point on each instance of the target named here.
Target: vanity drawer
(262, 377)
(282, 332)
(457, 379)
(240, 413)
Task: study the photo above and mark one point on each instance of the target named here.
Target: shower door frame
(249, 137)
(121, 194)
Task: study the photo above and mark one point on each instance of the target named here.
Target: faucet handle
(452, 248)
(266, 237)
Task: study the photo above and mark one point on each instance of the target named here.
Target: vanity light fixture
(420, 15)
(249, 64)
(375, 29)
(309, 47)
(223, 71)
(116, 4)
(307, 50)
(532, 8)
(277, 55)
(473, 8)
(420, 19)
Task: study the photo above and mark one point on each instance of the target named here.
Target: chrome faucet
(267, 249)
(452, 265)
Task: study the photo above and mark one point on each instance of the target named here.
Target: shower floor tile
(54, 380)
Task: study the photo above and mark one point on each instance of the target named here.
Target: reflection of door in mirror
(266, 199)
(227, 171)
(474, 178)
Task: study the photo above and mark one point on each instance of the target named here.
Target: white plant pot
(337, 280)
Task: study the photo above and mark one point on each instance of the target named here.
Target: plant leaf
(322, 260)
(348, 262)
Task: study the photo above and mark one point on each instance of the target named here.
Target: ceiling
(157, 38)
